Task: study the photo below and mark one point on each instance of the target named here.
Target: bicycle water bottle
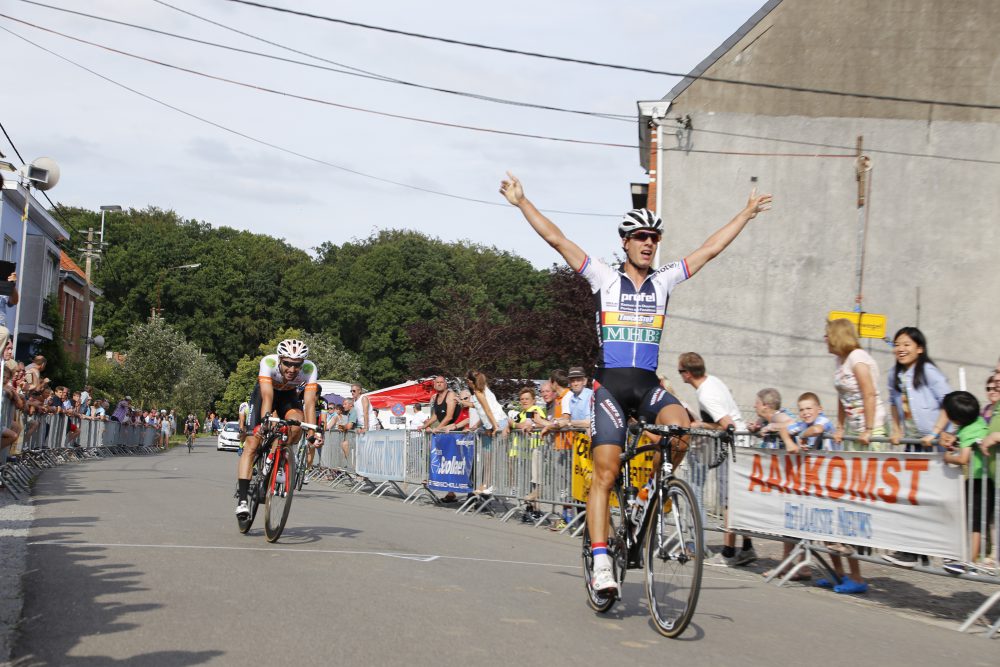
(268, 462)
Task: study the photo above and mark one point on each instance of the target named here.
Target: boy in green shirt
(963, 410)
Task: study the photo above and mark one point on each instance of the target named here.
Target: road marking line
(426, 558)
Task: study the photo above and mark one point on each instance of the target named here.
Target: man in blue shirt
(580, 399)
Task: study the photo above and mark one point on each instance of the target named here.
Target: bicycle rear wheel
(280, 487)
(300, 467)
(600, 601)
(674, 555)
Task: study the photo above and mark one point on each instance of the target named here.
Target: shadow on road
(85, 579)
(309, 534)
(76, 591)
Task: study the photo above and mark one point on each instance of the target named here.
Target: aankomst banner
(381, 455)
(897, 501)
(452, 455)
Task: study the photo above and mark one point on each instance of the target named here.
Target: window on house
(8, 249)
(50, 276)
(69, 318)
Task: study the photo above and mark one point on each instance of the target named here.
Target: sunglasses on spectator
(992, 387)
(645, 236)
(290, 364)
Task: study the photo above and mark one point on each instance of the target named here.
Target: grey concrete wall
(757, 312)
(928, 49)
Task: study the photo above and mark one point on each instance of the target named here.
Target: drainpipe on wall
(657, 119)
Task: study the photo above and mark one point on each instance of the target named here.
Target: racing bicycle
(272, 480)
(666, 533)
(190, 441)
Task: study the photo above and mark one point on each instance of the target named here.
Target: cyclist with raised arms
(631, 308)
(286, 386)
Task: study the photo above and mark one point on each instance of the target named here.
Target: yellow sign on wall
(872, 324)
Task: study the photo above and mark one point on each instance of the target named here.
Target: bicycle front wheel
(280, 487)
(674, 556)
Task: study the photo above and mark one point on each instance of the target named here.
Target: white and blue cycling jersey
(630, 321)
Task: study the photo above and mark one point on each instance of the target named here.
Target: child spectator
(962, 409)
(812, 427)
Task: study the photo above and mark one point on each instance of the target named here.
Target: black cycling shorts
(282, 403)
(623, 393)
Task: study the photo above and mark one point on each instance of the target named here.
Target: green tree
(368, 293)
(201, 381)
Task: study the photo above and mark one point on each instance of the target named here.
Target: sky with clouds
(295, 173)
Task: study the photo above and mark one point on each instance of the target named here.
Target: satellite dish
(43, 173)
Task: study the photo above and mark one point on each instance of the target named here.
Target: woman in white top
(494, 422)
(860, 413)
(861, 410)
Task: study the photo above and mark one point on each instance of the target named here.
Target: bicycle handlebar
(725, 437)
(293, 422)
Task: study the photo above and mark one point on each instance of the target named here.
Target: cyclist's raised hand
(511, 189)
(757, 204)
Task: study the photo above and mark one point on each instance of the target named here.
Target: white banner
(897, 501)
(381, 455)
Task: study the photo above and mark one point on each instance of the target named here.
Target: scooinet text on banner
(452, 455)
(897, 501)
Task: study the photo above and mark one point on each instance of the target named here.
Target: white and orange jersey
(269, 373)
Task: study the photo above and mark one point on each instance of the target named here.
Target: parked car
(229, 437)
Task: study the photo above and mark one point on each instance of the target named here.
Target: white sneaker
(745, 557)
(243, 510)
(604, 580)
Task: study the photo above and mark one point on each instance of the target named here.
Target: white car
(229, 437)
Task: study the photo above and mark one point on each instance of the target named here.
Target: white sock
(602, 560)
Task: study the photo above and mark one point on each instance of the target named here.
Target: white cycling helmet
(639, 219)
(291, 348)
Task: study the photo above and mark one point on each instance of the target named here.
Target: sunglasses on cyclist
(290, 364)
(645, 236)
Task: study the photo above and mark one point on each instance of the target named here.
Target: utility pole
(89, 254)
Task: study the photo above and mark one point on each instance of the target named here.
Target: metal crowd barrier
(48, 440)
(521, 471)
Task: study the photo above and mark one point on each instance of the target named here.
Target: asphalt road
(137, 561)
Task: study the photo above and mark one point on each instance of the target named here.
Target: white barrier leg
(983, 608)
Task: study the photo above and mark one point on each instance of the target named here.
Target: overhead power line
(339, 68)
(879, 151)
(371, 75)
(627, 68)
(317, 100)
(282, 149)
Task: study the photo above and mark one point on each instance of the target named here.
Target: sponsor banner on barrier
(381, 455)
(896, 501)
(452, 455)
(583, 468)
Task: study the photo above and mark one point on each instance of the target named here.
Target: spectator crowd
(30, 399)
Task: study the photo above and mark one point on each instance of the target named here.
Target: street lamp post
(158, 311)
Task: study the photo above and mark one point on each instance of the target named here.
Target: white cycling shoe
(243, 510)
(604, 580)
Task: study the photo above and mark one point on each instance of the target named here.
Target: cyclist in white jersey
(287, 387)
(630, 312)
